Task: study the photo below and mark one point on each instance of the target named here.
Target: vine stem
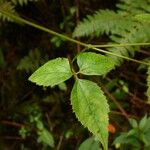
(88, 46)
(122, 45)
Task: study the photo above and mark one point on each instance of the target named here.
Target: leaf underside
(91, 108)
(46, 137)
(94, 64)
(52, 73)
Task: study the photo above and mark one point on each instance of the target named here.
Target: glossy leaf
(91, 108)
(94, 64)
(52, 73)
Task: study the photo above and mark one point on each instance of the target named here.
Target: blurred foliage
(136, 138)
(39, 118)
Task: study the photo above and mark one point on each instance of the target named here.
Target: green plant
(43, 136)
(9, 6)
(130, 24)
(136, 138)
(87, 99)
(120, 26)
(90, 108)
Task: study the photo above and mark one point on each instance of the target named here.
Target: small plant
(43, 136)
(9, 6)
(136, 138)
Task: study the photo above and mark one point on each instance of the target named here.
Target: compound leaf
(94, 64)
(91, 108)
(52, 73)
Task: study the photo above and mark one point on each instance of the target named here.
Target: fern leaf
(8, 7)
(22, 2)
(134, 7)
(32, 61)
(139, 34)
(103, 21)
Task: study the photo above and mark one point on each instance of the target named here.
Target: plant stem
(115, 102)
(72, 69)
(90, 46)
(122, 45)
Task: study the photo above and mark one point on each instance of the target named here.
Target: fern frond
(121, 27)
(103, 21)
(134, 6)
(32, 61)
(140, 33)
(6, 6)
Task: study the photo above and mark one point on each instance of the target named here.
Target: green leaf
(91, 108)
(94, 64)
(142, 123)
(52, 73)
(124, 139)
(62, 86)
(143, 17)
(45, 137)
(133, 123)
(89, 144)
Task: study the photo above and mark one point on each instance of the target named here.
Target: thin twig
(17, 125)
(60, 142)
(49, 121)
(115, 101)
(120, 113)
(129, 93)
(10, 123)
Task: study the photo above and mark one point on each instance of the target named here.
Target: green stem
(72, 69)
(123, 45)
(89, 46)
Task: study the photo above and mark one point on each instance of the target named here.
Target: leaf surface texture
(94, 64)
(52, 73)
(91, 108)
